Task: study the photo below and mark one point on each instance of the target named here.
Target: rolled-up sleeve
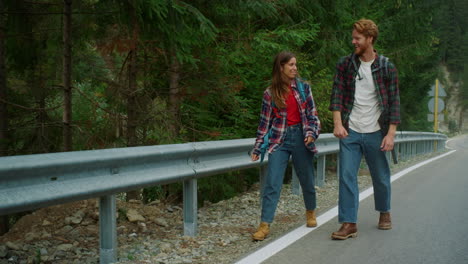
(265, 122)
(312, 127)
(394, 95)
(336, 98)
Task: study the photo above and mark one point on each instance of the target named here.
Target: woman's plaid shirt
(344, 86)
(276, 119)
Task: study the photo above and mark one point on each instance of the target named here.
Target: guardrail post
(107, 229)
(396, 148)
(190, 207)
(405, 150)
(401, 151)
(295, 185)
(321, 161)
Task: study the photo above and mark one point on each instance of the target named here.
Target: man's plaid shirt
(344, 86)
(276, 119)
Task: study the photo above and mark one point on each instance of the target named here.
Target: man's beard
(361, 49)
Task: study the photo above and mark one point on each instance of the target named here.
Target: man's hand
(308, 140)
(340, 132)
(387, 143)
(389, 140)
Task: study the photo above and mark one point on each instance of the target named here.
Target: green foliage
(152, 194)
(122, 213)
(225, 186)
(453, 127)
(225, 51)
(37, 258)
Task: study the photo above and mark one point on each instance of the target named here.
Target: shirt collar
(293, 83)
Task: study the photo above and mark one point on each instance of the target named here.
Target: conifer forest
(93, 74)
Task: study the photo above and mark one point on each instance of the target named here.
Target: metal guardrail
(34, 181)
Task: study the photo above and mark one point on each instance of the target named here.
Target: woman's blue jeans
(352, 148)
(302, 159)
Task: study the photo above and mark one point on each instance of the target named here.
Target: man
(366, 111)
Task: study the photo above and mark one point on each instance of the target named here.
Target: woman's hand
(308, 140)
(254, 157)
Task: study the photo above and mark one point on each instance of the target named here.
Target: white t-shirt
(366, 109)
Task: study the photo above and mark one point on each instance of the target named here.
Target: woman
(289, 114)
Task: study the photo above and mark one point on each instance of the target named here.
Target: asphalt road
(429, 215)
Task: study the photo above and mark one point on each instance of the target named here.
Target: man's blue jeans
(302, 159)
(351, 150)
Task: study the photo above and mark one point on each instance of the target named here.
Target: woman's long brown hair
(279, 85)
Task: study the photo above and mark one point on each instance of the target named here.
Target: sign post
(436, 106)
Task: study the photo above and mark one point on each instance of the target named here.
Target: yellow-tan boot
(311, 219)
(262, 231)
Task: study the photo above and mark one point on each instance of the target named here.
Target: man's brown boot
(385, 221)
(346, 231)
(262, 231)
(311, 219)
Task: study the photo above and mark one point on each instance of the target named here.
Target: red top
(293, 115)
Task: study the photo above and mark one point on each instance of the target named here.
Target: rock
(165, 247)
(12, 245)
(162, 255)
(142, 227)
(45, 234)
(65, 247)
(161, 222)
(75, 219)
(13, 259)
(88, 221)
(44, 252)
(92, 228)
(156, 202)
(95, 216)
(134, 216)
(184, 251)
(3, 251)
(46, 223)
(31, 236)
(65, 229)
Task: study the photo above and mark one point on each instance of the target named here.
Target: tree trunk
(67, 92)
(132, 105)
(3, 106)
(174, 78)
(174, 93)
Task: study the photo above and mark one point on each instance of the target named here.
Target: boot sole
(352, 235)
(259, 238)
(384, 227)
(312, 225)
